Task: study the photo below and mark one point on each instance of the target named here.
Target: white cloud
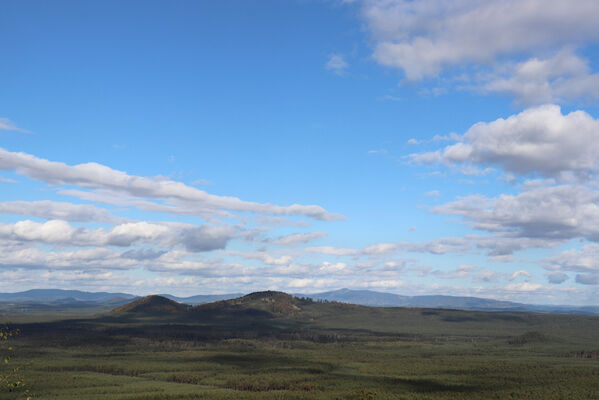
(524, 287)
(281, 221)
(552, 213)
(585, 259)
(462, 271)
(425, 37)
(380, 248)
(518, 274)
(438, 246)
(162, 235)
(263, 257)
(87, 259)
(335, 268)
(8, 125)
(337, 64)
(332, 251)
(562, 78)
(297, 238)
(379, 151)
(488, 276)
(98, 176)
(539, 140)
(372, 250)
(58, 210)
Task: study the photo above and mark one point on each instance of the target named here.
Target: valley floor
(360, 353)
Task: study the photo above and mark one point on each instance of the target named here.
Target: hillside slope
(153, 305)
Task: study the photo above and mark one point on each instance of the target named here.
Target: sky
(412, 147)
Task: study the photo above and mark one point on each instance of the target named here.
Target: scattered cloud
(298, 238)
(462, 271)
(58, 210)
(585, 259)
(158, 234)
(518, 274)
(554, 213)
(264, 257)
(427, 37)
(539, 140)
(332, 251)
(379, 151)
(587, 279)
(556, 277)
(337, 64)
(562, 78)
(8, 125)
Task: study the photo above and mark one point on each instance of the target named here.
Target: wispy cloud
(337, 64)
(8, 125)
(119, 183)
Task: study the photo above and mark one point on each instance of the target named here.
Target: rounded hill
(152, 305)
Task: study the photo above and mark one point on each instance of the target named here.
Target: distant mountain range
(379, 299)
(65, 296)
(56, 298)
(202, 298)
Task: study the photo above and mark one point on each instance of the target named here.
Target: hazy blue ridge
(51, 295)
(80, 299)
(202, 298)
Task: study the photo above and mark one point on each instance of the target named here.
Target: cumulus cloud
(539, 140)
(553, 213)
(563, 77)
(423, 38)
(98, 176)
(585, 260)
(165, 235)
(518, 274)
(524, 287)
(88, 259)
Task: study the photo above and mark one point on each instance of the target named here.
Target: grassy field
(274, 347)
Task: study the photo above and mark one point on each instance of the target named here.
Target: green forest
(270, 345)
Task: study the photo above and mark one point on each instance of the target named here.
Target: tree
(11, 377)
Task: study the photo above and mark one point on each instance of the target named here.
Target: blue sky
(414, 147)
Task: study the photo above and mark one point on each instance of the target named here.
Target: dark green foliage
(11, 376)
(273, 346)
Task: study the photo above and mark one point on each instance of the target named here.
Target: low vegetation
(270, 345)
